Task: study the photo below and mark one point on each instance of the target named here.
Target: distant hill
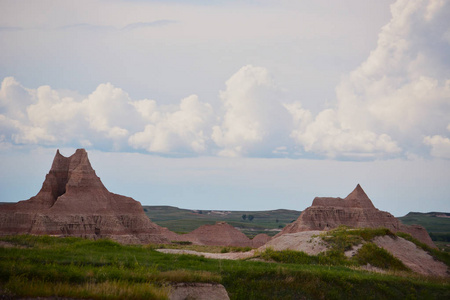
(250, 222)
(436, 223)
(272, 221)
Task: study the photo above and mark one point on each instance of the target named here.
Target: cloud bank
(395, 104)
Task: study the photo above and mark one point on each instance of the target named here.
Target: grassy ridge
(433, 221)
(70, 267)
(185, 220)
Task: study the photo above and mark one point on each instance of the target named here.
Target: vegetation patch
(378, 257)
(329, 258)
(343, 238)
(117, 289)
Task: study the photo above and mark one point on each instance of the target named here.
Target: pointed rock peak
(358, 189)
(62, 163)
(81, 152)
(358, 195)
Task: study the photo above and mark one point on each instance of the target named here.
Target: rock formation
(260, 240)
(222, 234)
(356, 210)
(74, 202)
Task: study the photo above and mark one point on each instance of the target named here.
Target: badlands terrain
(344, 245)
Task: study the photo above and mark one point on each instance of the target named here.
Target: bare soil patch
(200, 291)
(231, 255)
(306, 241)
(412, 256)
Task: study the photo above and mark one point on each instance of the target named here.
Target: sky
(231, 105)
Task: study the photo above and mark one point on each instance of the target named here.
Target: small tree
(250, 217)
(244, 217)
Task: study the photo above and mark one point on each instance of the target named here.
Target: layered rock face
(356, 210)
(74, 202)
(222, 234)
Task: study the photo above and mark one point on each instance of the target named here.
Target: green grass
(432, 221)
(343, 237)
(33, 266)
(371, 254)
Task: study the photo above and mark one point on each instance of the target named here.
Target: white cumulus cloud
(400, 93)
(254, 121)
(183, 129)
(440, 146)
(396, 103)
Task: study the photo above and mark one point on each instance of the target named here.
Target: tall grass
(116, 289)
(371, 254)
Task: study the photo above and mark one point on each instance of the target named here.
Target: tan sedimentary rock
(74, 202)
(221, 234)
(356, 210)
(260, 240)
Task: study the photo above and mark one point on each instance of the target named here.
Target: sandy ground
(413, 257)
(306, 241)
(199, 291)
(231, 255)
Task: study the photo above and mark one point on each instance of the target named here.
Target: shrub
(181, 242)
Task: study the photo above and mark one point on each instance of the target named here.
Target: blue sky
(231, 104)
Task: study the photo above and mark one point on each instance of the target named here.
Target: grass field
(32, 266)
(255, 222)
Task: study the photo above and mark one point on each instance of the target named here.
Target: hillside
(255, 222)
(436, 223)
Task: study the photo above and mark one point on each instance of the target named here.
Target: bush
(181, 243)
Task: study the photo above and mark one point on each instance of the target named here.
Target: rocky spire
(69, 175)
(356, 210)
(358, 198)
(73, 201)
